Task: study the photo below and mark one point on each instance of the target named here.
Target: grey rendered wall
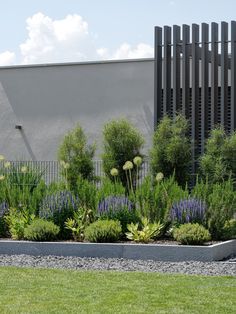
(48, 100)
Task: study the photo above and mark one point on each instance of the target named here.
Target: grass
(24, 290)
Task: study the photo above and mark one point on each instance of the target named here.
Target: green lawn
(62, 291)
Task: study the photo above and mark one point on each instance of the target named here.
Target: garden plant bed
(153, 251)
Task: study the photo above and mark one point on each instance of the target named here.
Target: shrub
(117, 208)
(191, 234)
(221, 207)
(87, 193)
(17, 220)
(148, 231)
(171, 151)
(218, 162)
(3, 212)
(103, 231)
(229, 231)
(58, 207)
(154, 199)
(76, 156)
(109, 187)
(189, 210)
(41, 230)
(122, 142)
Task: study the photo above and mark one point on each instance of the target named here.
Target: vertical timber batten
(214, 74)
(195, 123)
(204, 85)
(176, 69)
(185, 70)
(224, 74)
(167, 70)
(158, 76)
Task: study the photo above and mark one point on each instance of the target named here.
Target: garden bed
(158, 252)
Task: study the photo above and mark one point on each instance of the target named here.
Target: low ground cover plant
(41, 230)
(191, 233)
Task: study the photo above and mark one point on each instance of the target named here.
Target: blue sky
(43, 31)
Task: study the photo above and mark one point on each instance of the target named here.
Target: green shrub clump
(191, 234)
(41, 230)
(76, 157)
(229, 231)
(219, 162)
(171, 151)
(122, 142)
(103, 231)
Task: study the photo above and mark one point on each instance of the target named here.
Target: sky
(52, 31)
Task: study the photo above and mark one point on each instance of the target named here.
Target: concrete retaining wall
(157, 252)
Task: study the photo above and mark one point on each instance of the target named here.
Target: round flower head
(128, 165)
(114, 172)
(137, 160)
(66, 165)
(159, 176)
(2, 177)
(2, 158)
(62, 163)
(24, 169)
(7, 164)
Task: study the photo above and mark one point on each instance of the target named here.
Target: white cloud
(125, 51)
(57, 40)
(66, 40)
(7, 58)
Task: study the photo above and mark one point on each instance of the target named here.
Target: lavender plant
(58, 207)
(189, 210)
(117, 208)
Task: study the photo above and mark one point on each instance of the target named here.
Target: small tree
(77, 155)
(219, 160)
(171, 151)
(122, 142)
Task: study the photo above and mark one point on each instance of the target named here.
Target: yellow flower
(2, 158)
(137, 160)
(7, 164)
(114, 172)
(159, 176)
(24, 169)
(128, 165)
(2, 177)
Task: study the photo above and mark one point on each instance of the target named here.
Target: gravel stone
(222, 268)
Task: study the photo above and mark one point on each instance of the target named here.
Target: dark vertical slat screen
(185, 70)
(224, 73)
(158, 75)
(176, 69)
(204, 84)
(167, 70)
(214, 73)
(195, 87)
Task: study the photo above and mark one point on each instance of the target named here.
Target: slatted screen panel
(195, 77)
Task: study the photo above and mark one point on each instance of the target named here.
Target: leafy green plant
(103, 231)
(81, 219)
(154, 198)
(17, 220)
(108, 187)
(148, 231)
(191, 234)
(229, 230)
(41, 230)
(171, 151)
(221, 207)
(87, 193)
(218, 162)
(122, 142)
(76, 157)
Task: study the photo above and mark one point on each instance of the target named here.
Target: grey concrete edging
(158, 252)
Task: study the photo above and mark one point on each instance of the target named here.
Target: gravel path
(210, 268)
